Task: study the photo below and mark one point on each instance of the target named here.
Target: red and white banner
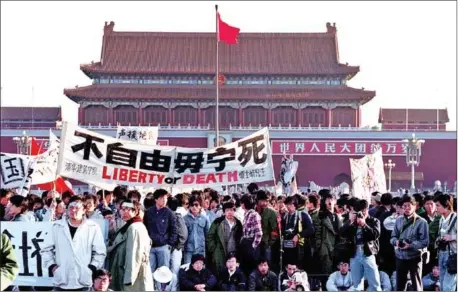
(337, 147)
(88, 156)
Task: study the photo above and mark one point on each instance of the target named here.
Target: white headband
(75, 204)
(128, 205)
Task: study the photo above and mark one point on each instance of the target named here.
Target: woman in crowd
(129, 252)
(446, 241)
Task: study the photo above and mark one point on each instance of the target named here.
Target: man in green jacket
(9, 267)
(269, 224)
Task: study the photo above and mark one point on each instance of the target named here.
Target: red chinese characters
(340, 147)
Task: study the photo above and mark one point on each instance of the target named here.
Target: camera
(442, 244)
(402, 242)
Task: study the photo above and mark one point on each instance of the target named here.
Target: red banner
(341, 147)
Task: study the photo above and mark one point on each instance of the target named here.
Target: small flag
(227, 33)
(35, 147)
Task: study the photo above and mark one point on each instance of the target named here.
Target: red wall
(438, 161)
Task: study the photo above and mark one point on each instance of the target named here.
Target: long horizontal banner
(28, 239)
(341, 147)
(89, 156)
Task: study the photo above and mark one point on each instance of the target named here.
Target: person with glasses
(198, 226)
(75, 251)
(101, 279)
(129, 252)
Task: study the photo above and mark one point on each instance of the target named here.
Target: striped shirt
(252, 227)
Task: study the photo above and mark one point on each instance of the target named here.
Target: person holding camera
(296, 226)
(293, 279)
(410, 238)
(362, 233)
(446, 242)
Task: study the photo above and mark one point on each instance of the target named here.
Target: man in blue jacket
(160, 222)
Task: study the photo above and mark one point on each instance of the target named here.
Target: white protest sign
(14, 170)
(88, 156)
(368, 175)
(141, 135)
(27, 239)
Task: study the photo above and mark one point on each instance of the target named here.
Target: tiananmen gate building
(294, 83)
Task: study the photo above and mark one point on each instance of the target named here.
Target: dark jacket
(190, 278)
(303, 227)
(371, 234)
(256, 282)
(182, 232)
(236, 282)
(215, 242)
(161, 225)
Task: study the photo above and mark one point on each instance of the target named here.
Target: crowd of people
(253, 241)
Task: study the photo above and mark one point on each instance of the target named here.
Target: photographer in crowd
(362, 233)
(446, 242)
(410, 237)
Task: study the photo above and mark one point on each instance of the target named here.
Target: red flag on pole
(227, 33)
(35, 147)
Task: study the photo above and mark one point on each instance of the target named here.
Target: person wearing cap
(410, 238)
(224, 237)
(198, 226)
(197, 278)
(231, 277)
(161, 225)
(262, 278)
(340, 280)
(164, 279)
(101, 279)
(269, 224)
(75, 250)
(129, 252)
(362, 233)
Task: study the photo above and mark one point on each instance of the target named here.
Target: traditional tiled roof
(387, 115)
(272, 93)
(195, 53)
(28, 113)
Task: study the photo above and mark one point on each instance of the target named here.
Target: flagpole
(437, 119)
(217, 78)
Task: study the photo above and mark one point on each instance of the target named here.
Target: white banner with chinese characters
(368, 175)
(88, 156)
(27, 240)
(141, 135)
(14, 168)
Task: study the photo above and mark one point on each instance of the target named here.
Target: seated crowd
(253, 241)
